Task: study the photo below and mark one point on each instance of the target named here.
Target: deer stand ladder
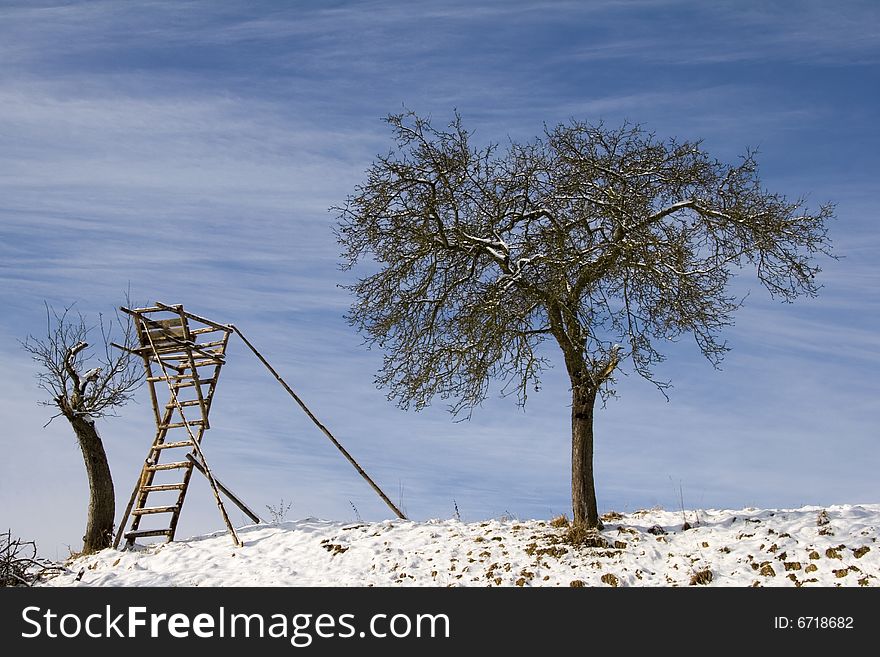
(182, 355)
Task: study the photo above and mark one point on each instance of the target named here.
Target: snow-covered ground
(810, 546)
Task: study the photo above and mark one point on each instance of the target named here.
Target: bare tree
(19, 563)
(607, 242)
(83, 395)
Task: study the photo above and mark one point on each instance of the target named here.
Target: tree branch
(69, 358)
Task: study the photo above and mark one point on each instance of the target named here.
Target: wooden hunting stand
(182, 355)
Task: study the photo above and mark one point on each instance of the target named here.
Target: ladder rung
(147, 350)
(180, 443)
(198, 361)
(207, 345)
(177, 425)
(160, 487)
(154, 509)
(173, 377)
(206, 329)
(174, 465)
(147, 532)
(188, 402)
(191, 383)
(211, 355)
(210, 361)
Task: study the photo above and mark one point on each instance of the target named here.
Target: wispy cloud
(192, 150)
(700, 34)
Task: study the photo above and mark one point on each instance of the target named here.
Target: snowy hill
(810, 546)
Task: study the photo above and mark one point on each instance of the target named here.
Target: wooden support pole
(320, 426)
(223, 489)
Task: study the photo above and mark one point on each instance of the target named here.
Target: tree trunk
(583, 487)
(102, 499)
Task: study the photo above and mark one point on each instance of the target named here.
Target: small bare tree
(606, 242)
(82, 394)
(19, 563)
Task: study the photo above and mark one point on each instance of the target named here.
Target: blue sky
(191, 150)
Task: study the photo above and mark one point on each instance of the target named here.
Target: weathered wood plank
(150, 510)
(174, 465)
(177, 425)
(147, 532)
(174, 445)
(155, 488)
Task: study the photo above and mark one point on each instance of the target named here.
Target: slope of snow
(810, 546)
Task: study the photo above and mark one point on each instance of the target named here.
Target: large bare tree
(606, 241)
(82, 393)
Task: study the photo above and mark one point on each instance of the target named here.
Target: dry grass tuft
(559, 521)
(858, 553)
(701, 577)
(583, 537)
(610, 579)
